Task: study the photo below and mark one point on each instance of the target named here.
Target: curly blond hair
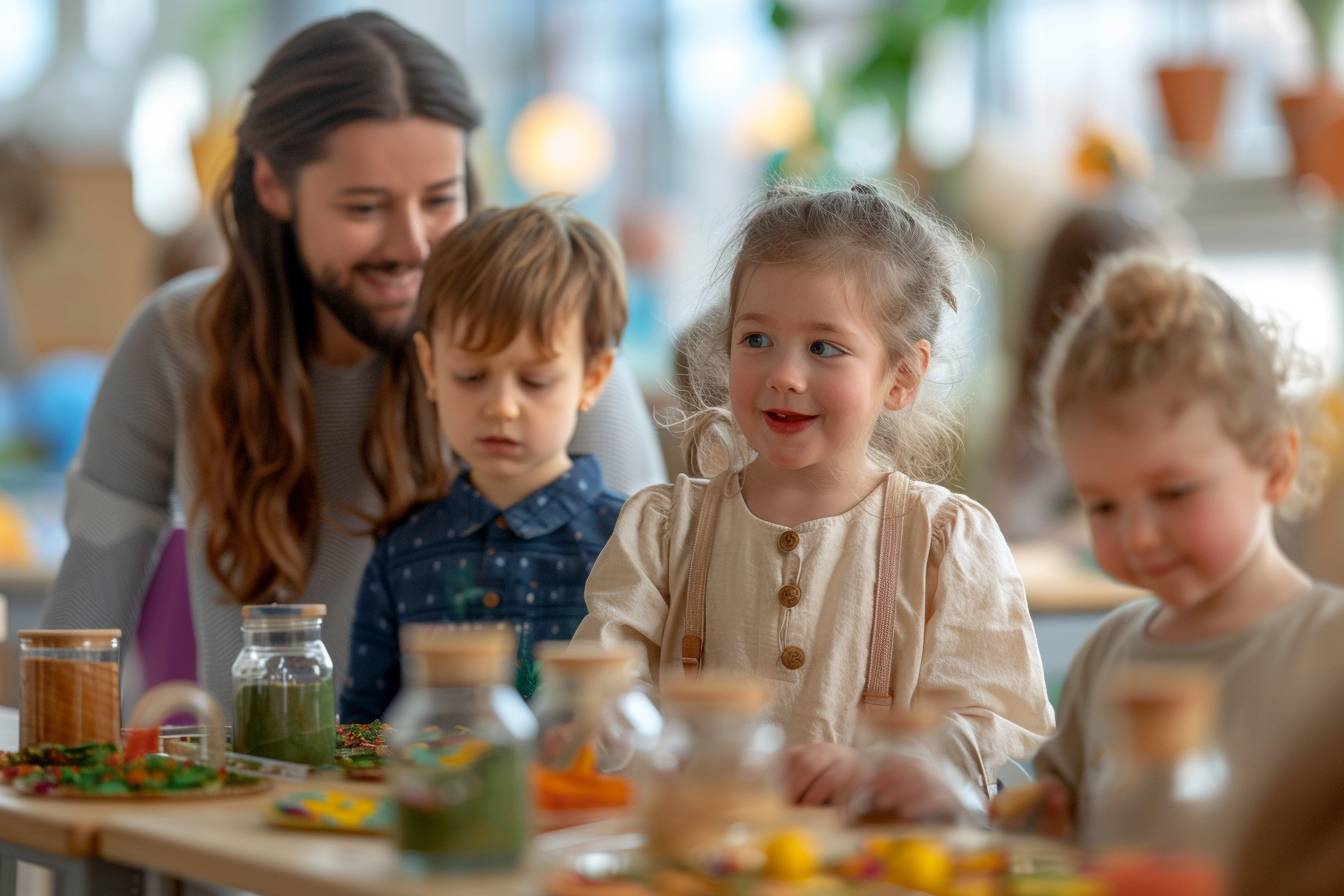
(1146, 320)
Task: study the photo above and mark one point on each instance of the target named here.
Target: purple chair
(166, 638)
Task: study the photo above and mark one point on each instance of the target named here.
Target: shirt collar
(540, 513)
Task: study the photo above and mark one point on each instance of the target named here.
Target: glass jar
(284, 702)
(461, 745)
(907, 774)
(713, 781)
(69, 686)
(1161, 790)
(592, 721)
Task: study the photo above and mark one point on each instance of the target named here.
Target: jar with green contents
(284, 703)
(462, 742)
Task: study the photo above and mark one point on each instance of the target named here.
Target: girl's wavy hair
(1145, 320)
(252, 436)
(903, 260)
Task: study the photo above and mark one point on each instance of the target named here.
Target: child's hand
(817, 774)
(909, 790)
(1041, 807)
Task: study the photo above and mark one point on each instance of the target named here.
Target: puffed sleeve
(980, 652)
(627, 591)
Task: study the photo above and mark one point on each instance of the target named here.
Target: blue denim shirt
(462, 559)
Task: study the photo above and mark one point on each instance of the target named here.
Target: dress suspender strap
(877, 683)
(702, 546)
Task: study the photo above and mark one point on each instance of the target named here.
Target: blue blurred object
(11, 429)
(56, 398)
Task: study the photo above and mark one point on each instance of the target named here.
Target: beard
(357, 320)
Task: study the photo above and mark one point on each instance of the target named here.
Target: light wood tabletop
(1058, 581)
(228, 843)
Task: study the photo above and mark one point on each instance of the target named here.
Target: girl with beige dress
(815, 557)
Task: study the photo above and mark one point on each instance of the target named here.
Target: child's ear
(1283, 459)
(595, 376)
(425, 354)
(272, 193)
(907, 376)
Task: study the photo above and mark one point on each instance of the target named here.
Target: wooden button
(789, 595)
(793, 657)
(490, 600)
(501, 522)
(788, 541)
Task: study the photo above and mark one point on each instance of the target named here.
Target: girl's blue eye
(756, 340)
(825, 350)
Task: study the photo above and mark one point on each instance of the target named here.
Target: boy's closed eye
(1175, 492)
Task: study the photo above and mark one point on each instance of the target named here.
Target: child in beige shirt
(1168, 407)
(813, 559)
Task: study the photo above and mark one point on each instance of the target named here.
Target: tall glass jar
(713, 780)
(462, 742)
(284, 702)
(69, 686)
(907, 773)
(1159, 803)
(593, 720)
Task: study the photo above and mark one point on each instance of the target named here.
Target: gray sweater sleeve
(119, 486)
(619, 432)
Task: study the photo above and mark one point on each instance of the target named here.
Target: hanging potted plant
(1305, 112)
(1192, 91)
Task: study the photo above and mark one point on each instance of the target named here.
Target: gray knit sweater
(134, 470)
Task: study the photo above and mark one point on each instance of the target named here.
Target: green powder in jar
(290, 721)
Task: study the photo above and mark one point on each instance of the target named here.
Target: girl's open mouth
(787, 422)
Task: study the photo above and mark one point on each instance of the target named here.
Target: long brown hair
(252, 433)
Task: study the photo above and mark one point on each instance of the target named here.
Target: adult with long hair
(274, 403)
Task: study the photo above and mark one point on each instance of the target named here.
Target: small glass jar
(461, 745)
(70, 686)
(907, 774)
(284, 702)
(1161, 790)
(713, 781)
(593, 721)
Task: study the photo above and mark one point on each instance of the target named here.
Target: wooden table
(115, 847)
(227, 843)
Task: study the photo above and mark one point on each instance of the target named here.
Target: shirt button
(793, 657)
(502, 523)
(490, 600)
(788, 541)
(789, 595)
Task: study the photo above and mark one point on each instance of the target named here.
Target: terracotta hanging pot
(1322, 152)
(1303, 113)
(1192, 97)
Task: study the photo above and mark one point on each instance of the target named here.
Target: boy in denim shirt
(521, 312)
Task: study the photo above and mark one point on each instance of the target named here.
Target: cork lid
(284, 611)
(70, 637)
(458, 655)
(585, 659)
(715, 690)
(1163, 710)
